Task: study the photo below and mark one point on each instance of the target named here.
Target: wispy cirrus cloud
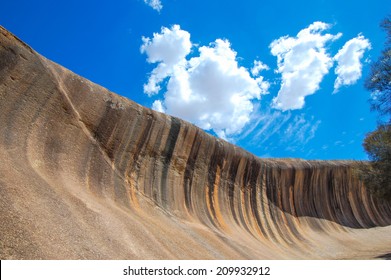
(301, 130)
(275, 128)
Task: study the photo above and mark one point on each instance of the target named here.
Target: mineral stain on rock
(87, 174)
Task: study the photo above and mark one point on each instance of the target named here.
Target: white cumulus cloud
(158, 106)
(210, 90)
(168, 48)
(154, 4)
(258, 67)
(348, 58)
(302, 62)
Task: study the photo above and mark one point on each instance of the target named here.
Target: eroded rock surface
(87, 174)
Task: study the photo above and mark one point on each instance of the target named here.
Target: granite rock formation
(87, 174)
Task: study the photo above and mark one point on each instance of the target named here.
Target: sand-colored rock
(87, 174)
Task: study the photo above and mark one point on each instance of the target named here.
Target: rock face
(87, 174)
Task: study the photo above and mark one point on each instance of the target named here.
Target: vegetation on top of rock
(377, 174)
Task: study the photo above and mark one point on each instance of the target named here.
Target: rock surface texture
(87, 174)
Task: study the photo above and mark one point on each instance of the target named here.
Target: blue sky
(278, 78)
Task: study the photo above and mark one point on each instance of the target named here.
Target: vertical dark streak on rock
(142, 154)
(256, 201)
(270, 186)
(167, 155)
(255, 169)
(249, 183)
(109, 137)
(233, 169)
(131, 147)
(243, 191)
(155, 156)
(190, 169)
(215, 163)
(141, 142)
(335, 210)
(277, 215)
(289, 196)
(122, 160)
(106, 128)
(346, 201)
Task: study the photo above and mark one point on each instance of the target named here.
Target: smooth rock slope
(87, 174)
